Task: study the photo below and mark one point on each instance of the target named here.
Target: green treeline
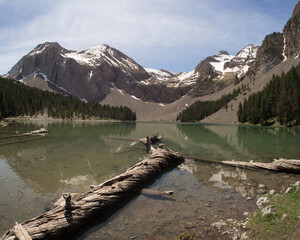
(278, 101)
(17, 99)
(201, 109)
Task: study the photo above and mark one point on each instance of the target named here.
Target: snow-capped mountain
(241, 63)
(224, 64)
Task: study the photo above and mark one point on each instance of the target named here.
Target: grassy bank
(283, 219)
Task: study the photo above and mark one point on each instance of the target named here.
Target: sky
(163, 34)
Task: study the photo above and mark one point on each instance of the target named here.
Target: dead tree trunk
(76, 210)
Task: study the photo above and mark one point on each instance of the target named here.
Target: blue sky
(169, 34)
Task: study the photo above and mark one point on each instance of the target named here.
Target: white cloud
(148, 31)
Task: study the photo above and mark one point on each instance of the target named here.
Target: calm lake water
(35, 170)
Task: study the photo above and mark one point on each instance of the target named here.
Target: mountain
(218, 71)
(92, 73)
(87, 74)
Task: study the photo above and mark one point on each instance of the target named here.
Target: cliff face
(269, 54)
(291, 33)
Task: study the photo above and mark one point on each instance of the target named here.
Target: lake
(35, 170)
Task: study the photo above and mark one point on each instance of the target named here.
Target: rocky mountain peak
(98, 49)
(223, 52)
(291, 33)
(47, 46)
(248, 52)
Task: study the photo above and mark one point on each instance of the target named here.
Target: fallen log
(280, 165)
(34, 132)
(74, 211)
(41, 131)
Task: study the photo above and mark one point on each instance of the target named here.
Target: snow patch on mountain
(185, 75)
(46, 79)
(161, 74)
(120, 90)
(39, 49)
(284, 47)
(249, 52)
(221, 59)
(134, 97)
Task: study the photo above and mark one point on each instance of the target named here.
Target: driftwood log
(280, 165)
(76, 210)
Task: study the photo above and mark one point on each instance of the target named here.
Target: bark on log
(103, 199)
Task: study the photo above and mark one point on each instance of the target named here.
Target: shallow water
(36, 170)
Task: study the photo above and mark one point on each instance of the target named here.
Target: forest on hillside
(278, 101)
(202, 109)
(17, 99)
